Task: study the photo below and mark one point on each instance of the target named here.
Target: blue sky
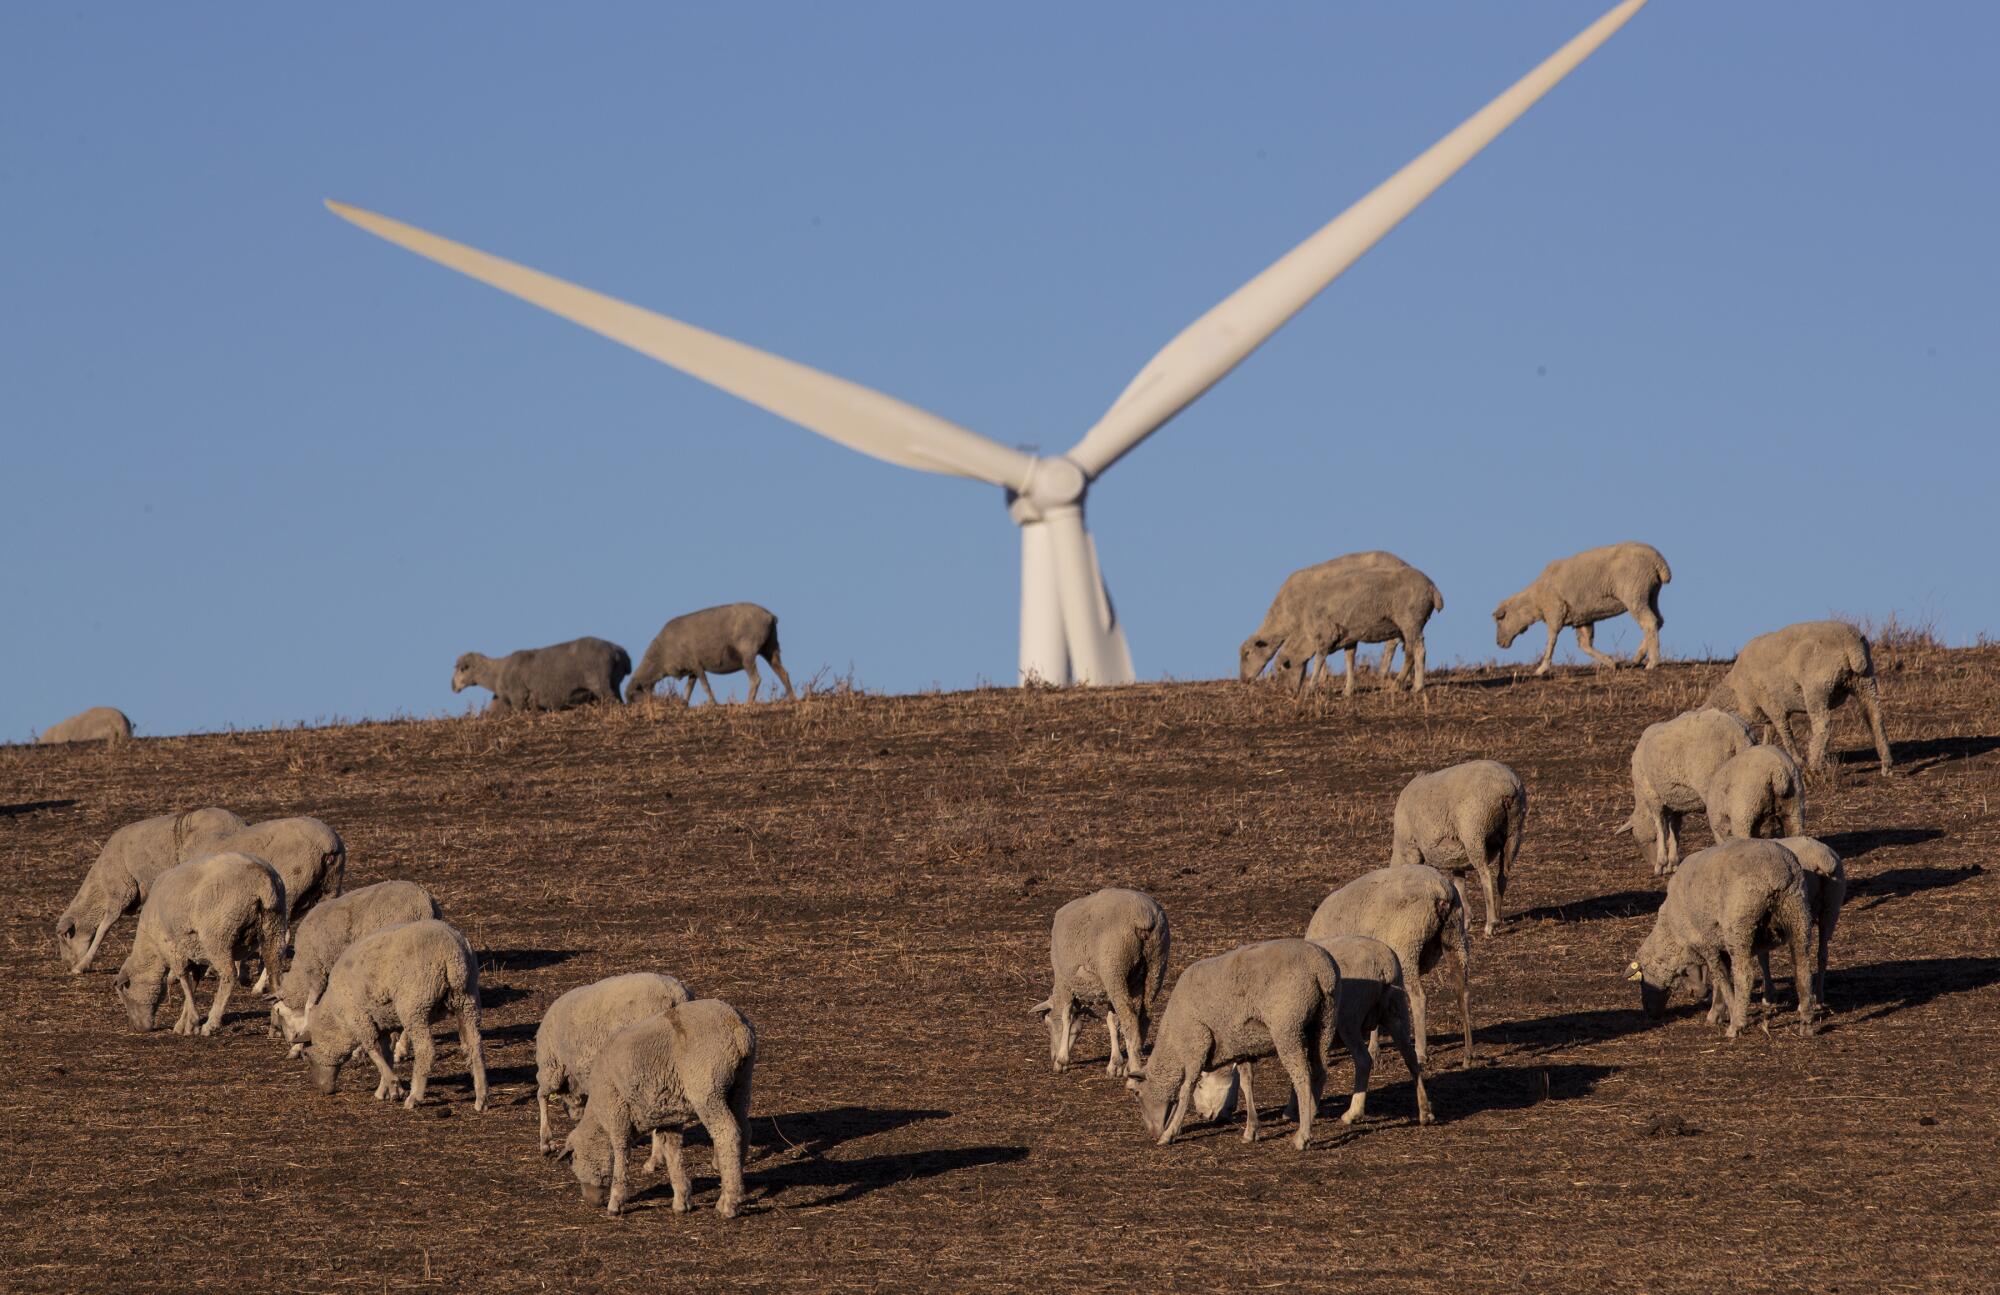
(1730, 289)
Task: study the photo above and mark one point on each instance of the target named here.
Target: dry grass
(870, 878)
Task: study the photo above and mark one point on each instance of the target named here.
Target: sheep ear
(1132, 1080)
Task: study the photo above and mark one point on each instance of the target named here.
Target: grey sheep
(547, 678)
(1109, 953)
(1591, 586)
(98, 724)
(1356, 607)
(1298, 590)
(207, 913)
(1672, 765)
(691, 1062)
(117, 883)
(1722, 906)
(1805, 669)
(308, 854)
(1758, 793)
(722, 640)
(325, 934)
(402, 978)
(1418, 912)
(578, 1025)
(1472, 814)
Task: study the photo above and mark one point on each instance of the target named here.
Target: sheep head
(1510, 618)
(1254, 655)
(140, 989)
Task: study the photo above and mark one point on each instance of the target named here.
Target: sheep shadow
(848, 1180)
(1928, 753)
(1461, 1094)
(814, 1133)
(492, 996)
(1891, 987)
(1562, 1031)
(1624, 903)
(1900, 883)
(525, 959)
(33, 807)
(1857, 845)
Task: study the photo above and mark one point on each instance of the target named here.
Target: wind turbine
(1069, 631)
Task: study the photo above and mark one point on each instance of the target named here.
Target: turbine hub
(1053, 483)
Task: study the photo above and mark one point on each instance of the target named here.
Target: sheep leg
(1249, 1101)
(1419, 1025)
(1488, 861)
(1739, 983)
(687, 698)
(1182, 1101)
(1549, 648)
(1389, 659)
(96, 938)
(725, 1135)
(750, 669)
(542, 1117)
(1647, 613)
(185, 1022)
(1297, 1058)
(1112, 1066)
(424, 1050)
(619, 1161)
(1397, 1013)
(1461, 960)
(1821, 721)
(783, 678)
(386, 1087)
(705, 687)
(474, 1049)
(1413, 661)
(1347, 687)
(668, 1152)
(1364, 1065)
(1871, 705)
(1802, 976)
(1586, 639)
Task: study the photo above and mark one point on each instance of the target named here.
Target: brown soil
(871, 879)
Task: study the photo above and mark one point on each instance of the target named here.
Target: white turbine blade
(1217, 342)
(1119, 651)
(854, 415)
(1096, 655)
(1044, 648)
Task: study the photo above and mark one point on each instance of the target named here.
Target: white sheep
(1109, 953)
(578, 1025)
(1471, 814)
(98, 724)
(326, 933)
(1672, 765)
(546, 678)
(1278, 997)
(1722, 905)
(1297, 592)
(308, 854)
(201, 914)
(1418, 912)
(1824, 877)
(690, 1062)
(1580, 590)
(1356, 607)
(118, 882)
(721, 640)
(1758, 793)
(1805, 669)
(402, 978)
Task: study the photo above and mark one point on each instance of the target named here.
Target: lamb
(1356, 607)
(691, 1062)
(404, 977)
(1418, 912)
(326, 933)
(1471, 813)
(1109, 952)
(308, 854)
(1672, 765)
(1809, 668)
(1758, 793)
(123, 874)
(201, 914)
(547, 678)
(1297, 592)
(1580, 590)
(98, 724)
(1278, 997)
(577, 1026)
(1724, 904)
(721, 639)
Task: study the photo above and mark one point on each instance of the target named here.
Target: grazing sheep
(1471, 813)
(1417, 911)
(1824, 877)
(402, 978)
(691, 1062)
(1758, 793)
(201, 914)
(98, 724)
(1356, 607)
(1109, 951)
(119, 880)
(308, 854)
(1298, 591)
(1278, 997)
(577, 1026)
(1672, 765)
(547, 678)
(720, 639)
(326, 933)
(1724, 904)
(1805, 669)
(1578, 591)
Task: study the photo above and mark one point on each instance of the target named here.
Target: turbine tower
(1069, 629)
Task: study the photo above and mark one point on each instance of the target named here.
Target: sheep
(308, 854)
(403, 977)
(1355, 607)
(577, 1026)
(119, 880)
(1758, 793)
(1298, 591)
(1109, 952)
(98, 724)
(1587, 587)
(1472, 813)
(1810, 669)
(201, 914)
(1277, 997)
(325, 934)
(546, 678)
(1418, 912)
(1672, 765)
(1824, 878)
(1724, 904)
(690, 1062)
(721, 639)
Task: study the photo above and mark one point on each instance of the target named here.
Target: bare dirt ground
(871, 880)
